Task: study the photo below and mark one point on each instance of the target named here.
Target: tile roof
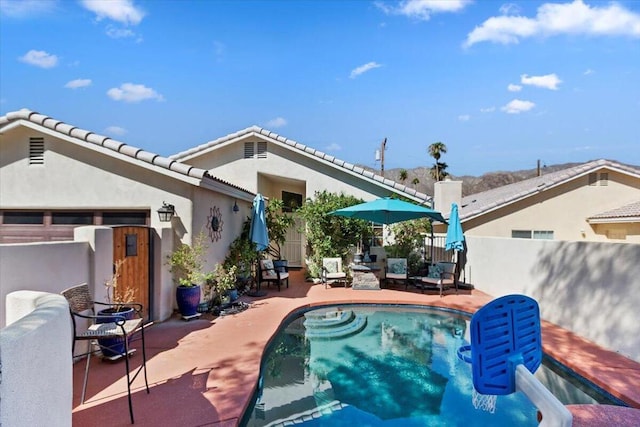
(294, 145)
(480, 203)
(111, 144)
(628, 212)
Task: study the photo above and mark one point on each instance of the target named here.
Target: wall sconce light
(166, 212)
(235, 207)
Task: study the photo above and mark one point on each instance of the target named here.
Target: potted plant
(120, 301)
(242, 254)
(223, 283)
(187, 264)
(278, 223)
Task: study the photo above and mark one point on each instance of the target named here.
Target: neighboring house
(277, 167)
(594, 201)
(55, 177)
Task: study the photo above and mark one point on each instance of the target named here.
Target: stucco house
(597, 201)
(55, 177)
(277, 167)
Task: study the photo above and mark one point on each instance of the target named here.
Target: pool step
(333, 324)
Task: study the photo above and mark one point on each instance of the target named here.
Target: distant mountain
(471, 184)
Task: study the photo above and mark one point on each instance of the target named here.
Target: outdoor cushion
(331, 266)
(268, 272)
(399, 267)
(435, 271)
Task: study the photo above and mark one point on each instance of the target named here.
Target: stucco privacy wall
(590, 288)
(38, 325)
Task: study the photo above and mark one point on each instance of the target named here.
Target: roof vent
(36, 151)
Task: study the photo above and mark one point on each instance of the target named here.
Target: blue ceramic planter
(188, 298)
(112, 347)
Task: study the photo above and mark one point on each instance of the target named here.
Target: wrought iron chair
(116, 329)
(442, 277)
(396, 270)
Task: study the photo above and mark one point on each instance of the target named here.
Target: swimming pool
(384, 366)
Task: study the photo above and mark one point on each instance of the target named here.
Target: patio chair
(332, 272)
(396, 270)
(267, 273)
(441, 276)
(112, 333)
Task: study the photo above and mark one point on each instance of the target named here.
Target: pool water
(382, 366)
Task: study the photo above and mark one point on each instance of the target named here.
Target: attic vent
(248, 150)
(36, 151)
(262, 150)
(604, 179)
(593, 178)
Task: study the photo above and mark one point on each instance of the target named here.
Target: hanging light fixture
(166, 212)
(235, 207)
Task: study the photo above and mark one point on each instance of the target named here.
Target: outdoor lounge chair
(441, 276)
(267, 273)
(113, 333)
(396, 270)
(332, 272)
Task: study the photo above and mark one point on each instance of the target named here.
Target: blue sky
(501, 84)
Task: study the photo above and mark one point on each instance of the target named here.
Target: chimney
(446, 192)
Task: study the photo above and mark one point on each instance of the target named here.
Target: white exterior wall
(590, 288)
(564, 210)
(36, 387)
(268, 176)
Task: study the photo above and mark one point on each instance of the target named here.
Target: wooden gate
(133, 245)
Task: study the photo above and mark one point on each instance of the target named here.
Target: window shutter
(36, 151)
(262, 150)
(248, 150)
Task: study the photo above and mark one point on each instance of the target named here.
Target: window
(521, 234)
(543, 234)
(23, 218)
(124, 218)
(291, 201)
(72, 218)
(535, 234)
(36, 151)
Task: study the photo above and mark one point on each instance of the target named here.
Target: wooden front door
(133, 245)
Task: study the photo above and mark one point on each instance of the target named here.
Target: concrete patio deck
(204, 372)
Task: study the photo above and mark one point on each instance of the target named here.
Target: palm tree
(415, 182)
(402, 175)
(438, 171)
(436, 150)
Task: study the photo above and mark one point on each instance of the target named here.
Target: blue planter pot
(233, 294)
(188, 298)
(112, 347)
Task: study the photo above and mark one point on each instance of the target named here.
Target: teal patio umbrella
(388, 211)
(258, 232)
(455, 235)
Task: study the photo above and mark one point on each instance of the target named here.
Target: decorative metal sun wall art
(215, 223)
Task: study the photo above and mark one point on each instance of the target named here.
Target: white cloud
(40, 58)
(510, 9)
(518, 106)
(464, 117)
(488, 110)
(514, 88)
(588, 72)
(333, 147)
(549, 81)
(363, 69)
(122, 11)
(129, 92)
(422, 9)
(119, 33)
(115, 130)
(554, 19)
(78, 83)
(26, 8)
(278, 122)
